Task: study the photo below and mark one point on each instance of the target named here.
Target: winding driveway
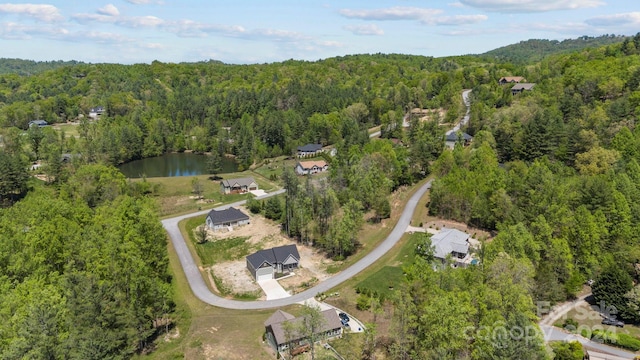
(202, 292)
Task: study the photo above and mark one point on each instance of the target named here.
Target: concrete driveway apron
(272, 289)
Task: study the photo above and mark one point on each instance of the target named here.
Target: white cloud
(364, 29)
(143, 2)
(126, 21)
(394, 13)
(109, 10)
(527, 6)
(456, 20)
(42, 12)
(632, 18)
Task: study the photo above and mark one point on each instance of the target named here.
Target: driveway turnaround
(202, 292)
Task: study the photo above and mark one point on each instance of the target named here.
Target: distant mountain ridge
(526, 51)
(536, 49)
(31, 67)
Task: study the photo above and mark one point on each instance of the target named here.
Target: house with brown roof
(511, 80)
(280, 340)
(311, 167)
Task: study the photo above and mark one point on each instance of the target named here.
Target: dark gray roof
(453, 136)
(310, 148)
(273, 256)
(227, 215)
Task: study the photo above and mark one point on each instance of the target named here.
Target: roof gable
(278, 317)
(310, 164)
(230, 214)
(331, 321)
(453, 136)
(276, 255)
(238, 182)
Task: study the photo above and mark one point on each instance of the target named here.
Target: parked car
(344, 322)
(344, 317)
(613, 322)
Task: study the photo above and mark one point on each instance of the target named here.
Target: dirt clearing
(264, 234)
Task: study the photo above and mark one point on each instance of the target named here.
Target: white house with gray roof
(264, 264)
(451, 242)
(226, 219)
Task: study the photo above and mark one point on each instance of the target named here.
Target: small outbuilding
(226, 219)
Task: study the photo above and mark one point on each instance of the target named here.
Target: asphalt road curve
(202, 292)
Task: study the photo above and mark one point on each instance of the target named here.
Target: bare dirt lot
(264, 234)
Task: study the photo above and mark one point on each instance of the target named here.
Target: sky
(266, 31)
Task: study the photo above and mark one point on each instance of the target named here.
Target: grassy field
(70, 130)
(175, 195)
(213, 252)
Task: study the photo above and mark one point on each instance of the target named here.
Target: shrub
(363, 302)
(254, 206)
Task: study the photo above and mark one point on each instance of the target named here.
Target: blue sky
(251, 31)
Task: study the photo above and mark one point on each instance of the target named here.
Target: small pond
(174, 164)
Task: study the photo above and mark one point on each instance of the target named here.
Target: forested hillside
(553, 172)
(30, 67)
(83, 271)
(529, 51)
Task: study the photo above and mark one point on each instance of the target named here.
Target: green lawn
(213, 252)
(386, 279)
(382, 282)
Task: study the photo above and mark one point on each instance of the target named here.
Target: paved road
(465, 118)
(552, 333)
(202, 292)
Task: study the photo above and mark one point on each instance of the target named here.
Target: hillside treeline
(251, 111)
(83, 271)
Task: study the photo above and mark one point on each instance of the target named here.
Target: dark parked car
(344, 317)
(614, 322)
